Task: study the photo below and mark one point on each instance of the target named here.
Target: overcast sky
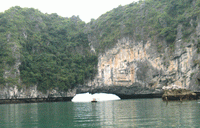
(86, 9)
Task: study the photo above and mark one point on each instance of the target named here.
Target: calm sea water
(110, 114)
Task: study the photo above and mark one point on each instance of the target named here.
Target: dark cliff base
(137, 96)
(34, 100)
(63, 99)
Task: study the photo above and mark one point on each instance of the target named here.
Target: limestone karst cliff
(132, 49)
(152, 55)
(42, 54)
(138, 65)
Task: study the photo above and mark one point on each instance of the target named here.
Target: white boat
(87, 97)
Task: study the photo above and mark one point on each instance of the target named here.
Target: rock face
(12, 92)
(177, 93)
(130, 67)
(145, 67)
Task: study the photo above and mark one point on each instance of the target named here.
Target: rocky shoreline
(132, 92)
(176, 93)
(65, 99)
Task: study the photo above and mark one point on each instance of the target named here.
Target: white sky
(86, 9)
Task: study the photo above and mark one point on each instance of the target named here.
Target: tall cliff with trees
(42, 50)
(146, 45)
(132, 49)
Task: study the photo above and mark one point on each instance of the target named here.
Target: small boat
(94, 100)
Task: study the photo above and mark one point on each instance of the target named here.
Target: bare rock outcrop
(178, 94)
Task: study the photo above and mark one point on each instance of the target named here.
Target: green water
(112, 114)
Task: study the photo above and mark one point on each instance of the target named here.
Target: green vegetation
(54, 51)
(155, 19)
(198, 46)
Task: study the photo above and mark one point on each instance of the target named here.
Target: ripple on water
(124, 113)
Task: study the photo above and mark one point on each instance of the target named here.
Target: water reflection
(110, 113)
(124, 113)
(176, 114)
(137, 113)
(15, 115)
